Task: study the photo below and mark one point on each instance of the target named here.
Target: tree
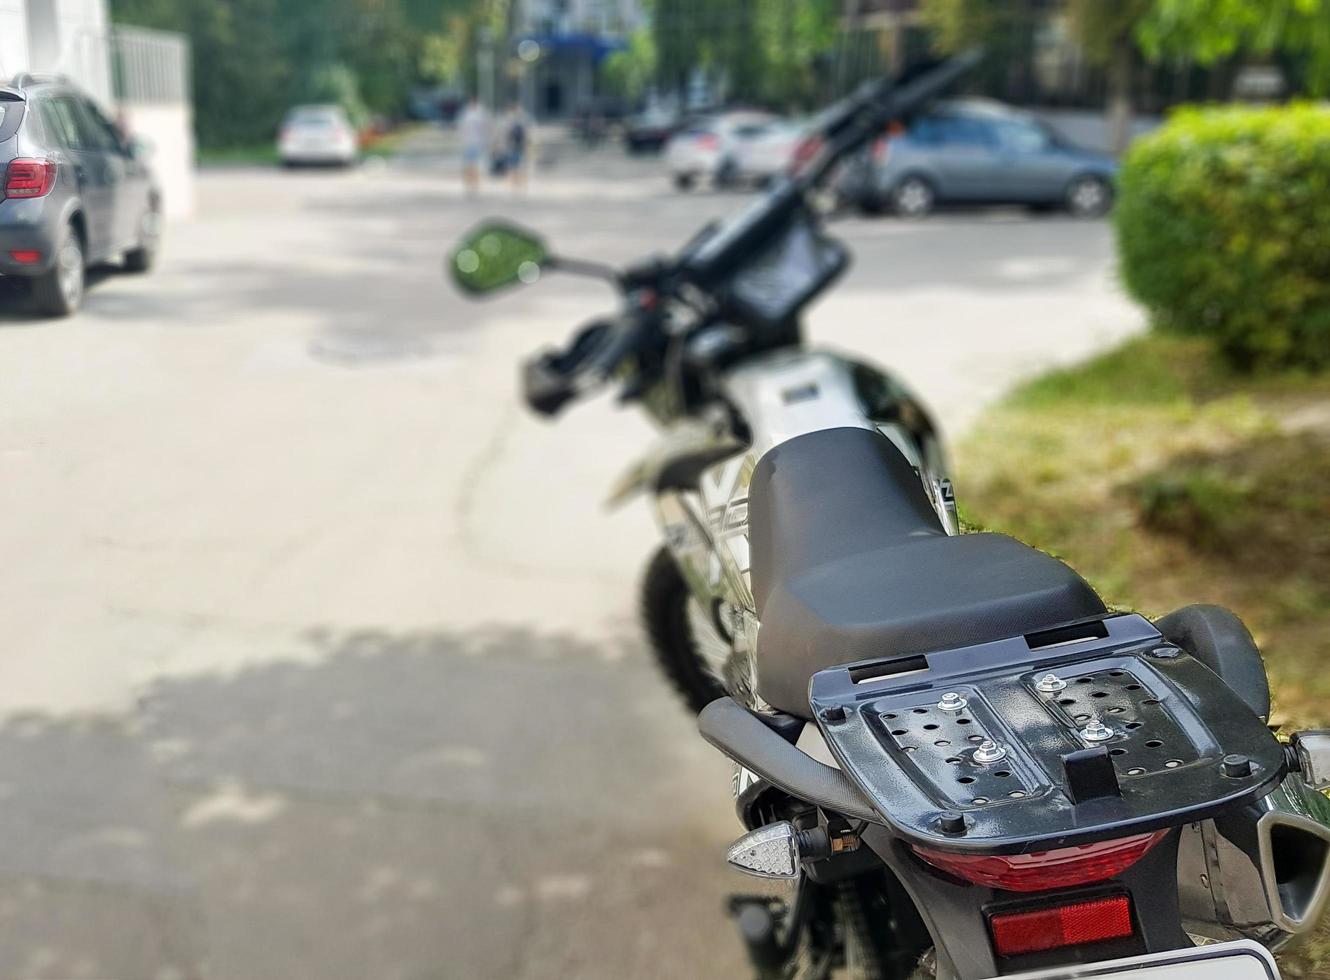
(631, 71)
(1208, 31)
(1005, 28)
(1107, 33)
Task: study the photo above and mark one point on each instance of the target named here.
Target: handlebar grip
(546, 390)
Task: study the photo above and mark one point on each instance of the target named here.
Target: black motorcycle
(1024, 782)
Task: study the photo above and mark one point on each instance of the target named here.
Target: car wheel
(60, 291)
(143, 258)
(1089, 196)
(727, 174)
(913, 197)
(684, 182)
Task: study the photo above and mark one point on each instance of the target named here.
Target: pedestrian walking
(474, 127)
(518, 139)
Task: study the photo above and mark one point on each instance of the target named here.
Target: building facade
(558, 47)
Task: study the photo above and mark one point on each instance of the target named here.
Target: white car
(317, 134)
(768, 151)
(705, 148)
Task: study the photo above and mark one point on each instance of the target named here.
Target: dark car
(649, 131)
(982, 152)
(75, 192)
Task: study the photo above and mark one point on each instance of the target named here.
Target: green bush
(1223, 222)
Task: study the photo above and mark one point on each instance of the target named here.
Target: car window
(750, 131)
(1022, 137)
(316, 118)
(60, 120)
(101, 132)
(951, 131)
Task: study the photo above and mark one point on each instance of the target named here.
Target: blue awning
(595, 46)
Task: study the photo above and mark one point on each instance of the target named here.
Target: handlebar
(553, 378)
(849, 126)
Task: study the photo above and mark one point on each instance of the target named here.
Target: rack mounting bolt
(1051, 684)
(1096, 731)
(951, 701)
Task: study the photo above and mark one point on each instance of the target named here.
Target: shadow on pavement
(431, 804)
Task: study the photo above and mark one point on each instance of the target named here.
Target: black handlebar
(552, 379)
(852, 124)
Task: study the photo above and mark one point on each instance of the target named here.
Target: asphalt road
(320, 657)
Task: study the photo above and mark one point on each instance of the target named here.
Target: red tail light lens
(808, 148)
(29, 178)
(1043, 870)
(881, 149)
(1018, 933)
(708, 141)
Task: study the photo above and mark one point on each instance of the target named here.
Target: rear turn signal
(28, 178)
(1060, 868)
(1018, 933)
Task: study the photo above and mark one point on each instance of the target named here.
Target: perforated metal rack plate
(914, 755)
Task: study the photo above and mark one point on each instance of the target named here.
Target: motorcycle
(1021, 781)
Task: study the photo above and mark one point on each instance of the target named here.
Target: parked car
(649, 131)
(318, 134)
(768, 150)
(978, 151)
(705, 148)
(76, 192)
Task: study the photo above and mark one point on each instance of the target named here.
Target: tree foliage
(252, 59)
(1208, 31)
(1005, 28)
(769, 51)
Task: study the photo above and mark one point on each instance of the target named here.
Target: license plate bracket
(1241, 960)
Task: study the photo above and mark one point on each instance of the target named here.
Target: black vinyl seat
(850, 562)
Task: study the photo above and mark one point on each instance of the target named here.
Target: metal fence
(149, 67)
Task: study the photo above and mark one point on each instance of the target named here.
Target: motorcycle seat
(850, 562)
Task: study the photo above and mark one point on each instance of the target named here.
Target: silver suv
(73, 192)
(980, 152)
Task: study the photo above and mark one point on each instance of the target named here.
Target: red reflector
(25, 256)
(1043, 870)
(1017, 933)
(29, 178)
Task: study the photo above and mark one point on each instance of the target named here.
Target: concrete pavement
(321, 657)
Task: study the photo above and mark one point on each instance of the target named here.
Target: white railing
(149, 67)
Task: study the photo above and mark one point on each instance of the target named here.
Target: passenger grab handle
(739, 734)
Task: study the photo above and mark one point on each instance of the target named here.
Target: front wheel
(665, 600)
(913, 197)
(683, 182)
(1089, 197)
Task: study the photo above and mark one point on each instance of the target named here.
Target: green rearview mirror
(496, 255)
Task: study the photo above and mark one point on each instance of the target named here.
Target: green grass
(261, 154)
(1167, 479)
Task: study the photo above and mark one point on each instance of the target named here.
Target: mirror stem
(581, 267)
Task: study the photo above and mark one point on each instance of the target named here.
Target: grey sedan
(977, 151)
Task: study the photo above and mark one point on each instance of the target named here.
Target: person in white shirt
(474, 127)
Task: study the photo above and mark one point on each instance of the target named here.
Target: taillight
(1043, 870)
(29, 178)
(881, 149)
(1019, 933)
(808, 148)
(708, 141)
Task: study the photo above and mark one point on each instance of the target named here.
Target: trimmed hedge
(1223, 226)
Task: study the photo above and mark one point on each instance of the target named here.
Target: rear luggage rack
(1084, 732)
